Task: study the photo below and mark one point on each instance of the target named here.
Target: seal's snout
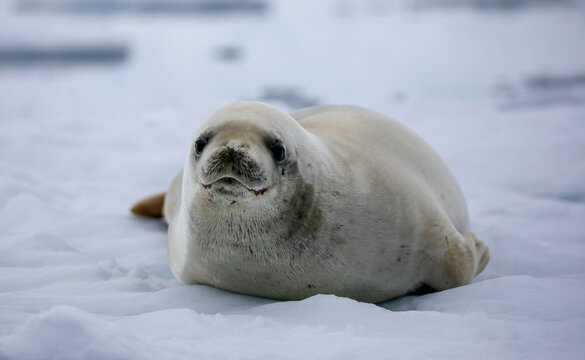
(234, 161)
(232, 153)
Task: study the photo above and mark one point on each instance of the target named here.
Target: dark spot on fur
(250, 248)
(336, 237)
(304, 218)
(399, 259)
(310, 286)
(305, 210)
(425, 255)
(402, 246)
(447, 240)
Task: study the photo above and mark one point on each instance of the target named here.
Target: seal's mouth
(231, 186)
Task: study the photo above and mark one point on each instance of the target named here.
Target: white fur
(385, 215)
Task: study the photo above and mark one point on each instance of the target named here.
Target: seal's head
(244, 154)
(248, 208)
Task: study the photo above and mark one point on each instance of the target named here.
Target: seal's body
(335, 200)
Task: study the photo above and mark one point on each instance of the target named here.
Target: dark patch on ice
(147, 7)
(541, 90)
(486, 5)
(399, 97)
(289, 96)
(229, 53)
(555, 83)
(63, 55)
(574, 197)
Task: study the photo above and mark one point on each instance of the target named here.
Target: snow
(81, 141)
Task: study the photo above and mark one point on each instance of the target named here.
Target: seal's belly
(244, 269)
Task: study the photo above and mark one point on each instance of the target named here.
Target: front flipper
(151, 206)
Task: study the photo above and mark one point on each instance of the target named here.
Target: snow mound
(66, 332)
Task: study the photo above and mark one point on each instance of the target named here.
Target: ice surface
(79, 143)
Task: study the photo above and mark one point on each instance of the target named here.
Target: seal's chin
(228, 186)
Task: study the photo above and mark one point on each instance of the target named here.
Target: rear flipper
(481, 250)
(458, 259)
(151, 206)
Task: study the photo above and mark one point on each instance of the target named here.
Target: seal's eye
(200, 145)
(277, 152)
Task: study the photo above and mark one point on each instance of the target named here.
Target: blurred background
(117, 58)
(111, 75)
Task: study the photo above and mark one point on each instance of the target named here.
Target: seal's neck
(288, 223)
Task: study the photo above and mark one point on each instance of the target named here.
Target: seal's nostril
(235, 145)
